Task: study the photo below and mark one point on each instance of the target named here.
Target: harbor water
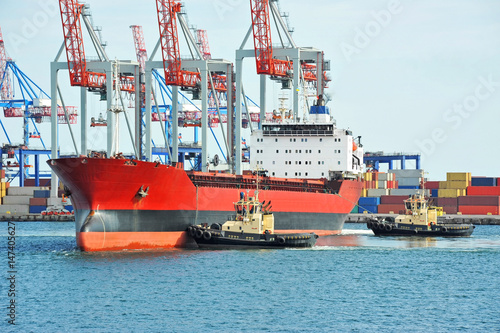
(362, 284)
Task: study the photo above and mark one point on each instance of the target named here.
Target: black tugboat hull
(399, 229)
(213, 238)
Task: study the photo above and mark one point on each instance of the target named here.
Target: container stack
(455, 185)
(409, 181)
(384, 193)
(30, 199)
(39, 201)
(392, 204)
(4, 185)
(17, 200)
(368, 205)
(463, 194)
(376, 184)
(483, 197)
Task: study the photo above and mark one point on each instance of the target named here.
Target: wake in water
(356, 232)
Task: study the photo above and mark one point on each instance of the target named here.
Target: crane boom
(201, 36)
(71, 11)
(6, 90)
(263, 46)
(167, 23)
(140, 46)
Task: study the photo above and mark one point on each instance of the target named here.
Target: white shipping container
(402, 191)
(17, 200)
(407, 173)
(372, 192)
(14, 209)
(409, 181)
(383, 176)
(58, 202)
(28, 190)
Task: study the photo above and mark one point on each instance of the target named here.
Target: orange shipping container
(479, 210)
(38, 201)
(388, 208)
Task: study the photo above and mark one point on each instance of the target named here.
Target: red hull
(110, 215)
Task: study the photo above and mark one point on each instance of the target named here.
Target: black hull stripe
(165, 221)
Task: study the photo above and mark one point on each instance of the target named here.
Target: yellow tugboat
(251, 227)
(419, 220)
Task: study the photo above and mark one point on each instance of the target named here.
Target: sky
(408, 76)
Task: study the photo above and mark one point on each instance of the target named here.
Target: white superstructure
(312, 149)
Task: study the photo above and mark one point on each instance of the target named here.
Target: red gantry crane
(140, 46)
(71, 11)
(266, 63)
(75, 51)
(5, 91)
(202, 39)
(167, 19)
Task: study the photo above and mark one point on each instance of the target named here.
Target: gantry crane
(5, 90)
(294, 66)
(33, 105)
(103, 76)
(202, 41)
(195, 75)
(266, 63)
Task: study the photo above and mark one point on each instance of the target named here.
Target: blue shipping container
(369, 201)
(483, 181)
(37, 209)
(409, 187)
(434, 193)
(369, 209)
(41, 194)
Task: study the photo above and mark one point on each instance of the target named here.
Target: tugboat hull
(214, 238)
(384, 228)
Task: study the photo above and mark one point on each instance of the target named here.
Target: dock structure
(375, 158)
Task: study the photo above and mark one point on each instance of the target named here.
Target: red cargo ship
(129, 204)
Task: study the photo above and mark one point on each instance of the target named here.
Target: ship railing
(298, 132)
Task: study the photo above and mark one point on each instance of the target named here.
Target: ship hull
(404, 229)
(111, 214)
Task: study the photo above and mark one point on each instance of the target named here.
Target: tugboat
(419, 220)
(251, 227)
